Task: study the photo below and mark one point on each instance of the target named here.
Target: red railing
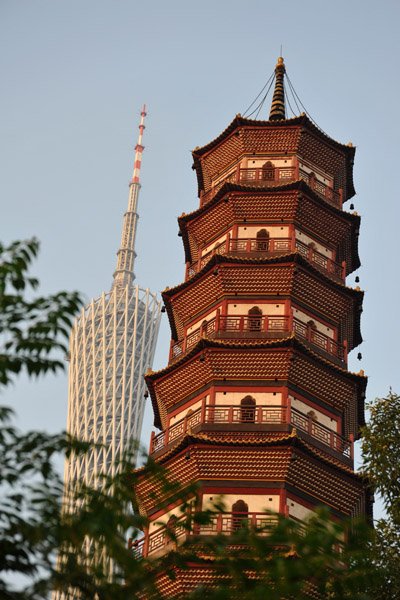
(269, 245)
(167, 536)
(322, 341)
(275, 176)
(256, 415)
(246, 325)
(256, 327)
(324, 191)
(321, 261)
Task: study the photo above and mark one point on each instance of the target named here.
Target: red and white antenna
(139, 149)
(123, 274)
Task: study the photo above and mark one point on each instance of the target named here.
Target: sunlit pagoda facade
(257, 403)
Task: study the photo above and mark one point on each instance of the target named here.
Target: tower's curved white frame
(112, 345)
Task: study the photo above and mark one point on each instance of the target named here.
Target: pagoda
(257, 403)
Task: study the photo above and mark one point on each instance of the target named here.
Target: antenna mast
(123, 274)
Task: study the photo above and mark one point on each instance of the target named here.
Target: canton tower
(112, 345)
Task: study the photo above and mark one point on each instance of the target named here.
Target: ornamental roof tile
(270, 276)
(336, 485)
(254, 439)
(266, 360)
(240, 121)
(213, 219)
(291, 135)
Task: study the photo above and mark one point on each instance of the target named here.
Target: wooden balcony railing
(322, 341)
(276, 176)
(253, 415)
(249, 326)
(168, 536)
(260, 246)
(258, 327)
(321, 261)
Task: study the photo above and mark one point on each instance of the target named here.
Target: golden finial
(278, 112)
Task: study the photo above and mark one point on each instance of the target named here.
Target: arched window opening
(189, 420)
(262, 243)
(312, 332)
(268, 171)
(240, 513)
(247, 409)
(254, 319)
(170, 529)
(314, 427)
(312, 250)
(203, 327)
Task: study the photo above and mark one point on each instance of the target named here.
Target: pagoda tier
(256, 403)
(256, 298)
(297, 146)
(215, 372)
(294, 215)
(274, 465)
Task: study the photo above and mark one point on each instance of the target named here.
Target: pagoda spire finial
(123, 274)
(278, 111)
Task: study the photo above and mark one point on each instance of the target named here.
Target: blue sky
(75, 76)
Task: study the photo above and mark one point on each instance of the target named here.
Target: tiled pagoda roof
(275, 202)
(329, 296)
(310, 372)
(271, 460)
(300, 123)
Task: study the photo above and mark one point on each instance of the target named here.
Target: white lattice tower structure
(112, 345)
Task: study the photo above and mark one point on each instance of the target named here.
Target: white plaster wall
(257, 163)
(183, 412)
(266, 308)
(257, 503)
(214, 243)
(225, 174)
(320, 175)
(197, 324)
(250, 231)
(163, 520)
(298, 510)
(302, 237)
(261, 398)
(301, 316)
(329, 422)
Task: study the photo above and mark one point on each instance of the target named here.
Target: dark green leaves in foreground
(286, 561)
(381, 464)
(31, 329)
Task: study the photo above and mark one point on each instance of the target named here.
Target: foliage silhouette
(285, 559)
